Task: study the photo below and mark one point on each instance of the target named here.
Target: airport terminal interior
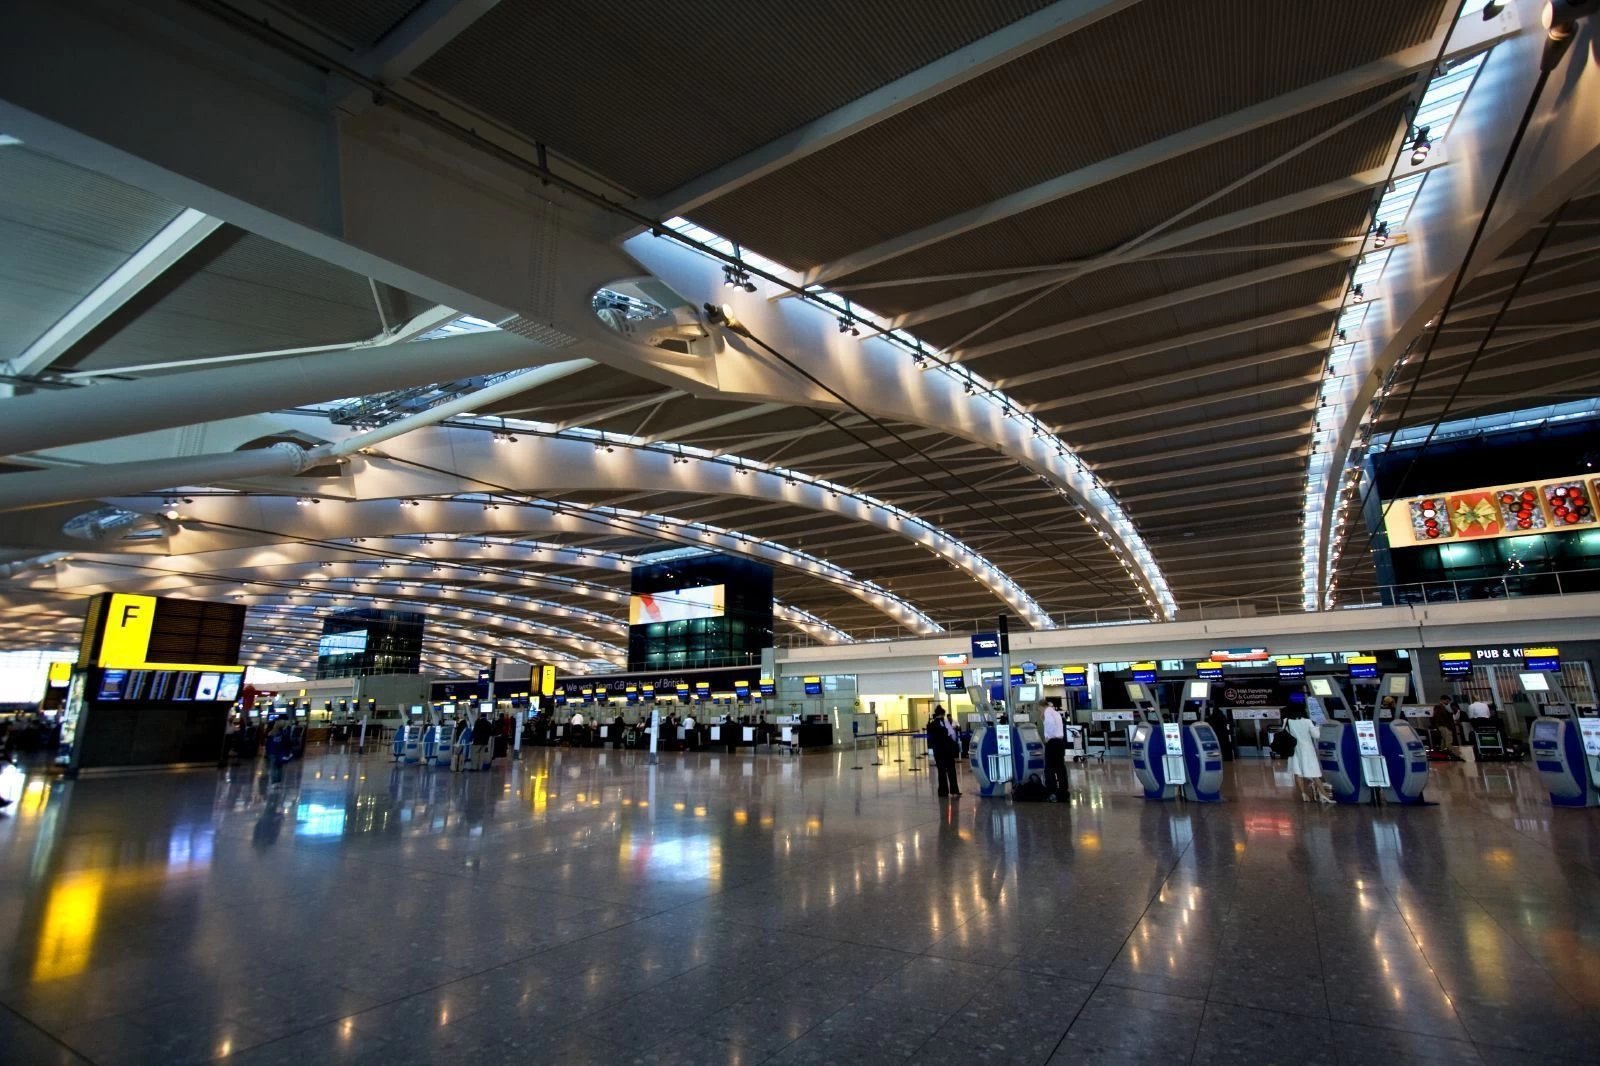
(1018, 531)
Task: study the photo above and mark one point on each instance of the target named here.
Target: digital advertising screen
(206, 687)
(228, 687)
(352, 643)
(677, 605)
(111, 683)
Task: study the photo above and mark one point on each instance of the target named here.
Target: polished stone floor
(581, 907)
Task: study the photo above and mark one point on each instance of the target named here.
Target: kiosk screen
(1367, 737)
(1590, 730)
(1137, 692)
(1199, 690)
(1320, 686)
(1027, 693)
(1534, 683)
(1397, 686)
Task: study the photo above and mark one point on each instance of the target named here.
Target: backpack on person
(1284, 743)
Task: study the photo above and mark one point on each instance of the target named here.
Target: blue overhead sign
(986, 645)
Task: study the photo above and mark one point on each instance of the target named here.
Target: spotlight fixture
(1342, 335)
(171, 513)
(1357, 292)
(920, 360)
(966, 386)
(1380, 235)
(844, 324)
(1420, 143)
(1492, 9)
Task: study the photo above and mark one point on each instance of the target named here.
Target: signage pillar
(1003, 630)
(655, 734)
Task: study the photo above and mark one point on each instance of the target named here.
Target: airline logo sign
(986, 645)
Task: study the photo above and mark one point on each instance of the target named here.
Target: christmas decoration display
(1429, 520)
(1568, 503)
(1519, 508)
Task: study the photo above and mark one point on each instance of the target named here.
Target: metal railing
(1461, 590)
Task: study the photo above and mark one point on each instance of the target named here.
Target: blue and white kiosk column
(1566, 748)
(1365, 757)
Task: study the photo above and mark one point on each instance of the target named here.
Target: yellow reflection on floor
(67, 932)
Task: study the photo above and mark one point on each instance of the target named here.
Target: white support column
(1026, 35)
(1471, 38)
(152, 260)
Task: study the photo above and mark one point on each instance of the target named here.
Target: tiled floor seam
(42, 1031)
(1176, 862)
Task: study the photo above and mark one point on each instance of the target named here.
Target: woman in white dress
(1304, 764)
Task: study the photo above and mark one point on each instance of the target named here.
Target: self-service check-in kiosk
(1202, 751)
(1003, 752)
(1364, 757)
(1566, 749)
(1173, 759)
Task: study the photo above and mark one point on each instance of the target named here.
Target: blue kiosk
(1172, 759)
(1566, 748)
(1366, 757)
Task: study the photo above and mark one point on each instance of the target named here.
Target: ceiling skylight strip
(1436, 112)
(1066, 466)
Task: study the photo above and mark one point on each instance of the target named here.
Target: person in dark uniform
(944, 745)
(1222, 725)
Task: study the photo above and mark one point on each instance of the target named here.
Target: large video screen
(352, 643)
(676, 605)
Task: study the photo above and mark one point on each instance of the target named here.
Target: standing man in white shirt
(1055, 751)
